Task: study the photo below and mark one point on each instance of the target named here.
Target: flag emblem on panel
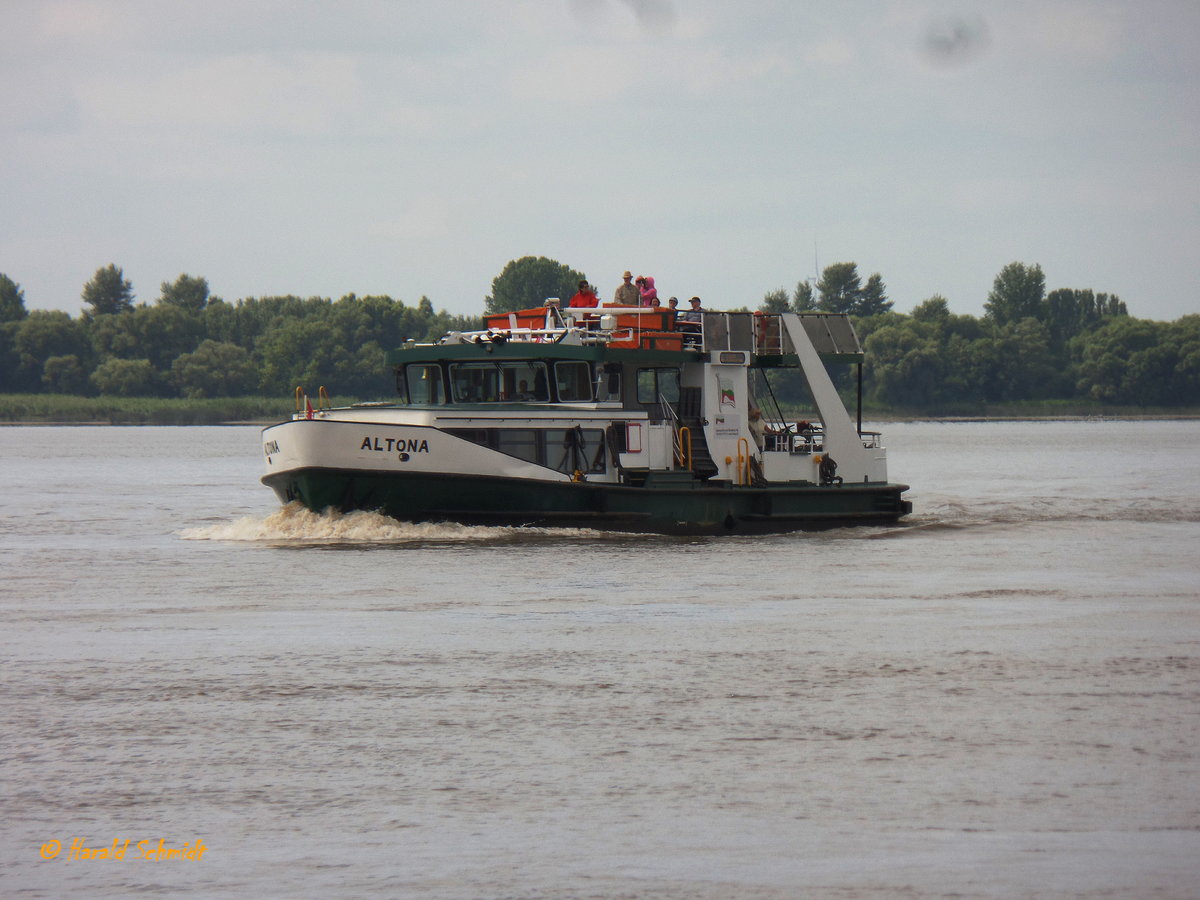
(727, 397)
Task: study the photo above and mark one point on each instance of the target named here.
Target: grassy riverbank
(66, 409)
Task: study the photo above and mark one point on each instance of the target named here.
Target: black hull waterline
(671, 506)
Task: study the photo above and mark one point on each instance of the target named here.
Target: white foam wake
(294, 523)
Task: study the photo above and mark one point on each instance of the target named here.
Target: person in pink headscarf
(648, 292)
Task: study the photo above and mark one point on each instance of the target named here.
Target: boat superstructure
(613, 418)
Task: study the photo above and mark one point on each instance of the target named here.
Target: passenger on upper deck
(691, 322)
(585, 296)
(627, 293)
(648, 291)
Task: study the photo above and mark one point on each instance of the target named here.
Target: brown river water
(998, 698)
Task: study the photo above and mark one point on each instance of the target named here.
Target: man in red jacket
(586, 296)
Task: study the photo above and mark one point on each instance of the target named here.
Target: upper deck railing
(764, 334)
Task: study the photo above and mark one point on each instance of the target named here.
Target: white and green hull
(419, 473)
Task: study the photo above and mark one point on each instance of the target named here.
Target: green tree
(1017, 293)
(108, 292)
(802, 298)
(904, 364)
(39, 336)
(165, 332)
(776, 301)
(12, 300)
(9, 363)
(935, 309)
(187, 293)
(526, 282)
(1142, 363)
(302, 352)
(127, 378)
(839, 288)
(1185, 339)
(872, 299)
(215, 369)
(158, 333)
(1069, 313)
(113, 334)
(64, 375)
(1013, 362)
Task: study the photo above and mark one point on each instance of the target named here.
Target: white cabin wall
(728, 419)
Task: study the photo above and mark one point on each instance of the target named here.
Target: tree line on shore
(1030, 345)
(194, 345)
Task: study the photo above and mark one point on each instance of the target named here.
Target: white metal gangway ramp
(855, 462)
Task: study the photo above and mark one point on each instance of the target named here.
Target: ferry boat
(613, 418)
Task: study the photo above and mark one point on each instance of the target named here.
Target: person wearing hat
(585, 296)
(627, 292)
(692, 322)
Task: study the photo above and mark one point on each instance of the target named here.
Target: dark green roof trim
(596, 353)
(545, 352)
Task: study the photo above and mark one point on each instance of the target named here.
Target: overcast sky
(727, 148)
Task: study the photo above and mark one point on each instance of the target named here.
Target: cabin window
(608, 383)
(564, 449)
(573, 380)
(655, 385)
(424, 383)
(488, 382)
(484, 437)
(572, 449)
(523, 443)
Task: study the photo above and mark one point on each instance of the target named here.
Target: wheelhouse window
(654, 385)
(608, 383)
(423, 382)
(493, 382)
(573, 380)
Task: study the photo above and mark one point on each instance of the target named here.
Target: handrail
(683, 458)
(743, 462)
(323, 401)
(667, 409)
(300, 396)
